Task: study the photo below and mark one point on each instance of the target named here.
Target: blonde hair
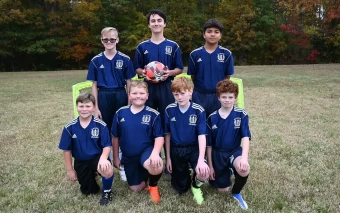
(181, 84)
(109, 29)
(137, 83)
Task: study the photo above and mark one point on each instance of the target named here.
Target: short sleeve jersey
(111, 74)
(185, 128)
(136, 132)
(167, 52)
(226, 134)
(85, 143)
(210, 68)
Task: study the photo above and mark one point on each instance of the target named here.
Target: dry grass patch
(295, 118)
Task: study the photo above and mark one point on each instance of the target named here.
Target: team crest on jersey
(146, 119)
(119, 64)
(192, 120)
(95, 132)
(220, 57)
(168, 50)
(237, 123)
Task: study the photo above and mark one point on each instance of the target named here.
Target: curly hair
(226, 86)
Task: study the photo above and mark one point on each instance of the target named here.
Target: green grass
(295, 165)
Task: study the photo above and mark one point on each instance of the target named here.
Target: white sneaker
(122, 173)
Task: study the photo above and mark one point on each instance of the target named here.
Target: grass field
(295, 164)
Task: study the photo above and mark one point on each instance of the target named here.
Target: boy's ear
(117, 40)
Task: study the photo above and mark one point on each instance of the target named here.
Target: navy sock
(107, 183)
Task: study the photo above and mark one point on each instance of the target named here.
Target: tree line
(65, 34)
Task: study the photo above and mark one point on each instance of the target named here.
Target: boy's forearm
(128, 83)
(95, 92)
(139, 71)
(159, 142)
(209, 149)
(202, 143)
(106, 152)
(115, 147)
(167, 145)
(68, 160)
(245, 147)
(175, 72)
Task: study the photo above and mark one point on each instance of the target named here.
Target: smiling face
(227, 100)
(156, 23)
(138, 95)
(85, 109)
(110, 39)
(212, 35)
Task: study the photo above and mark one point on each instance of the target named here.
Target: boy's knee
(106, 174)
(223, 189)
(137, 188)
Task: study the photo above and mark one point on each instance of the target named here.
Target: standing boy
(185, 140)
(137, 130)
(228, 128)
(163, 50)
(87, 140)
(110, 72)
(208, 65)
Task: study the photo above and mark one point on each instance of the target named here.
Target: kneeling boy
(228, 127)
(137, 130)
(185, 140)
(87, 140)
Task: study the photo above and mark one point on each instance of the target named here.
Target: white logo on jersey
(122, 120)
(220, 57)
(199, 60)
(168, 50)
(146, 119)
(173, 119)
(101, 66)
(119, 64)
(192, 120)
(95, 132)
(74, 136)
(146, 52)
(237, 123)
(214, 126)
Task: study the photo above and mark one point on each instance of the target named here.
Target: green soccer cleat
(198, 195)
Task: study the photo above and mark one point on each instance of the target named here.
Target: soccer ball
(154, 72)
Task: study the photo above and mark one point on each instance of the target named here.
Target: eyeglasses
(106, 40)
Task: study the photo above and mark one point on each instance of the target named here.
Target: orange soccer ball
(154, 72)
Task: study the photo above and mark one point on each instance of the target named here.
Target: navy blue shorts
(208, 101)
(109, 101)
(134, 169)
(86, 174)
(180, 158)
(222, 162)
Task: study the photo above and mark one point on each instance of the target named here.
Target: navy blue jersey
(185, 127)
(226, 134)
(85, 143)
(210, 68)
(137, 131)
(111, 74)
(167, 52)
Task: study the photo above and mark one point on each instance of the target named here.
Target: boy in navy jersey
(208, 65)
(87, 140)
(137, 130)
(185, 139)
(228, 128)
(110, 72)
(163, 50)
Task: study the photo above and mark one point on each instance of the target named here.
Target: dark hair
(156, 12)
(226, 86)
(85, 97)
(213, 23)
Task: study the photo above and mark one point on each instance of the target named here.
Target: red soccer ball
(154, 72)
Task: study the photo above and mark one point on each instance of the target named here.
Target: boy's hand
(212, 173)
(155, 161)
(202, 168)
(103, 165)
(243, 164)
(72, 175)
(169, 165)
(98, 114)
(116, 163)
(166, 73)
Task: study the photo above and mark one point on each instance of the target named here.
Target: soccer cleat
(122, 173)
(198, 195)
(240, 200)
(154, 194)
(106, 197)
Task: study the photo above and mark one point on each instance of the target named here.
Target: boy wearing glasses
(110, 72)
